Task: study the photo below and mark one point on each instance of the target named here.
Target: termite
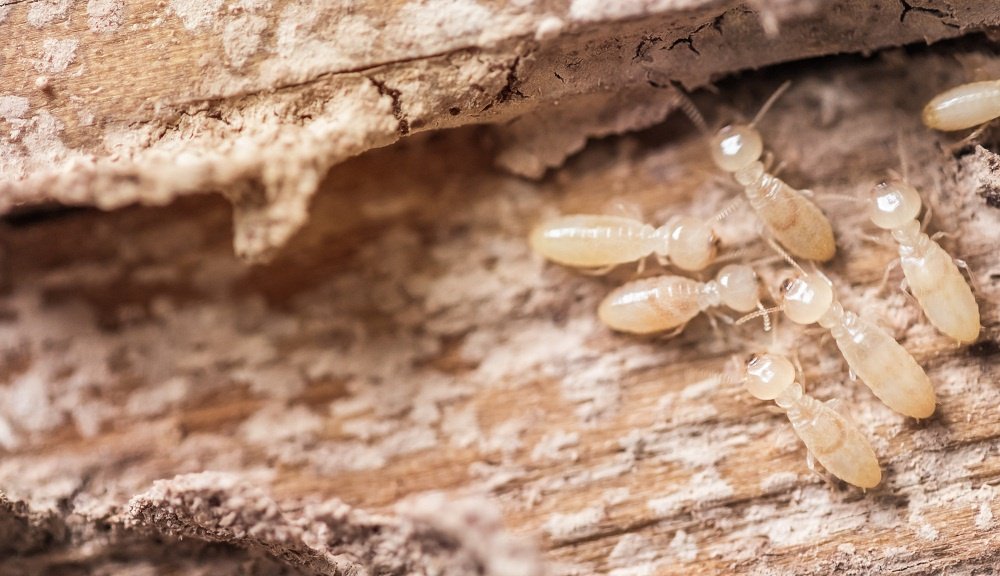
(964, 106)
(871, 353)
(833, 440)
(791, 218)
(931, 273)
(600, 242)
(668, 302)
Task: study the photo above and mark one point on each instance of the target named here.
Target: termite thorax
(834, 317)
(789, 397)
(911, 240)
(710, 295)
(662, 236)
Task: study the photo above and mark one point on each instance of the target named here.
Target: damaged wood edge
(328, 537)
(23, 531)
(526, 78)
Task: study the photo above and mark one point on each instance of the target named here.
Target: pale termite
(964, 106)
(932, 275)
(669, 302)
(603, 241)
(831, 438)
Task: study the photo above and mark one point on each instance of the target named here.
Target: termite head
(806, 298)
(692, 243)
(736, 146)
(766, 376)
(893, 204)
(738, 287)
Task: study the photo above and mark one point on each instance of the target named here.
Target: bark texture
(403, 388)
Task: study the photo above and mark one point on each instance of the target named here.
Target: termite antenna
(735, 361)
(724, 377)
(742, 255)
(728, 209)
(785, 255)
(732, 371)
(765, 312)
(765, 260)
(820, 273)
(774, 337)
(684, 103)
(770, 102)
(799, 372)
(767, 317)
(902, 157)
(844, 197)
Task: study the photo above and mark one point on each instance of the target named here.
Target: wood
(111, 103)
(406, 389)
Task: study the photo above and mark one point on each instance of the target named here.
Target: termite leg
(725, 318)
(814, 331)
(941, 234)
(816, 468)
(713, 323)
(714, 317)
(772, 409)
(641, 267)
(674, 332)
(837, 405)
(799, 371)
(968, 273)
(928, 211)
(970, 139)
(627, 209)
(904, 287)
(598, 271)
(881, 241)
(767, 160)
(885, 276)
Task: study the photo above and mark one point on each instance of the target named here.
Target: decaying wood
(110, 103)
(405, 388)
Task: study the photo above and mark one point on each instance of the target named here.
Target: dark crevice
(25, 216)
(941, 15)
(510, 89)
(403, 126)
(644, 46)
(715, 24)
(363, 70)
(984, 349)
(686, 41)
(991, 195)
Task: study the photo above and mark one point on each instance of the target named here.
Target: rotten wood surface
(109, 103)
(406, 389)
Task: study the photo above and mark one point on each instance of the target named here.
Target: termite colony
(797, 230)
